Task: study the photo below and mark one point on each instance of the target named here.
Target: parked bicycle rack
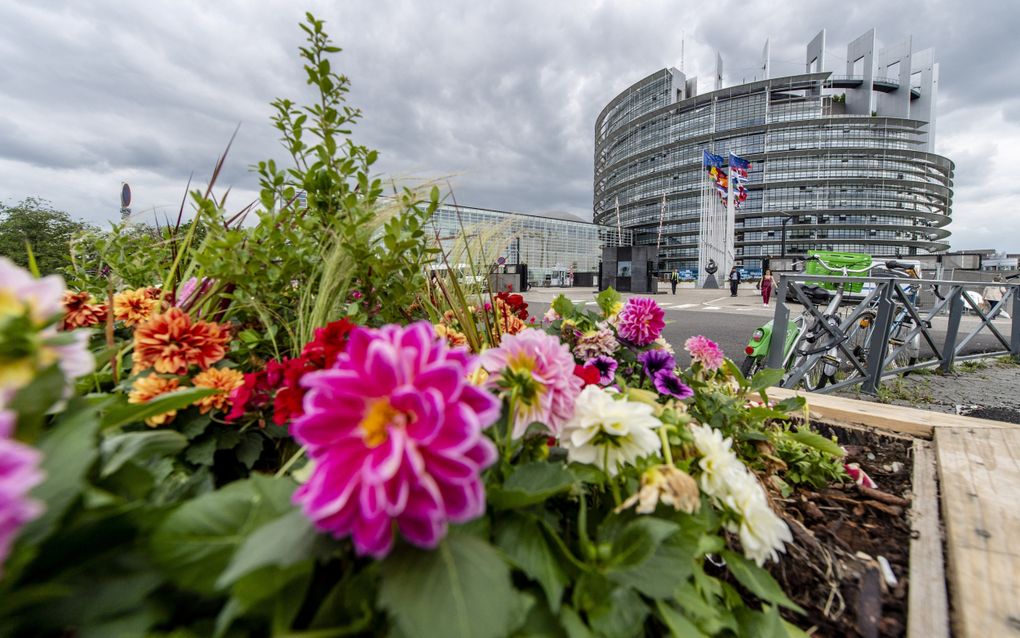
(887, 299)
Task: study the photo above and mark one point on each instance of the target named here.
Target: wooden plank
(895, 418)
(928, 608)
(979, 474)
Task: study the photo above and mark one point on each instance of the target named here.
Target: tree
(47, 230)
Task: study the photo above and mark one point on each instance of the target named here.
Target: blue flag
(711, 159)
(738, 162)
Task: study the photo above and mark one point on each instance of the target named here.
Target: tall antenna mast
(682, 42)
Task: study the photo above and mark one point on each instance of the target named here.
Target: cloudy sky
(499, 97)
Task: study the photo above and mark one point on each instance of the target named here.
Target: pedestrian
(734, 281)
(768, 284)
(674, 279)
(993, 294)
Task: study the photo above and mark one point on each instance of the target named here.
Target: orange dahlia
(223, 379)
(171, 343)
(509, 323)
(453, 337)
(147, 388)
(134, 306)
(79, 312)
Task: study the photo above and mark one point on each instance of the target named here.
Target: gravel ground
(988, 389)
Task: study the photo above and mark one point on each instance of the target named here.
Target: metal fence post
(777, 346)
(879, 344)
(952, 329)
(1014, 333)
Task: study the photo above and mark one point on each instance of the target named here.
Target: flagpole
(729, 246)
(619, 230)
(662, 216)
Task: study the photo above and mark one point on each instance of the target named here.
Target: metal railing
(899, 317)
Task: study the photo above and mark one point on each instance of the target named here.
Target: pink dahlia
(641, 321)
(19, 473)
(536, 372)
(395, 430)
(705, 351)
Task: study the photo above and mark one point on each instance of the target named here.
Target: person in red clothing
(768, 284)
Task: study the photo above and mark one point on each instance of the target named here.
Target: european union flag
(710, 159)
(738, 162)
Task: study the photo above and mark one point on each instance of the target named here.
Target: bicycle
(834, 348)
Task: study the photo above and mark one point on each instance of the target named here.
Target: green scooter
(757, 349)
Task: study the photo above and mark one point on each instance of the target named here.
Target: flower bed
(297, 427)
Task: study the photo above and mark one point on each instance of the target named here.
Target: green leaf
(766, 378)
(607, 300)
(762, 624)
(658, 577)
(758, 581)
(639, 539)
(529, 484)
(126, 413)
(33, 400)
(68, 451)
(791, 404)
(573, 624)
(622, 616)
(563, 306)
(817, 441)
(139, 447)
(679, 626)
(250, 448)
(286, 541)
(521, 539)
(198, 540)
(202, 452)
(461, 589)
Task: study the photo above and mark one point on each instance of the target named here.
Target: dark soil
(833, 569)
(1009, 415)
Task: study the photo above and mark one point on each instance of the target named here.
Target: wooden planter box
(966, 498)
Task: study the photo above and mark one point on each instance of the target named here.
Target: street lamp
(788, 217)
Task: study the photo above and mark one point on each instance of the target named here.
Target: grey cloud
(500, 96)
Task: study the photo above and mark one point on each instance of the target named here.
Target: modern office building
(558, 248)
(840, 161)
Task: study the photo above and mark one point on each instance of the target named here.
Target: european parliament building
(840, 161)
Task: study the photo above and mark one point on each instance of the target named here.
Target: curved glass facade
(845, 182)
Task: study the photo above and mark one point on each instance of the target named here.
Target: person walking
(768, 284)
(674, 279)
(993, 294)
(734, 281)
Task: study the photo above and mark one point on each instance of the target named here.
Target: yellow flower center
(378, 417)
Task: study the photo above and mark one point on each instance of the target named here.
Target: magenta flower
(19, 473)
(705, 351)
(606, 367)
(641, 321)
(666, 382)
(536, 372)
(395, 430)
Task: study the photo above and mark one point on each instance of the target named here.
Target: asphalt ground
(730, 321)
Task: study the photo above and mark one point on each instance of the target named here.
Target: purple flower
(656, 360)
(19, 473)
(606, 367)
(641, 321)
(705, 351)
(395, 430)
(666, 382)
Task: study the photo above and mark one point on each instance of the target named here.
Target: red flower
(280, 382)
(289, 400)
(589, 374)
(329, 342)
(515, 302)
